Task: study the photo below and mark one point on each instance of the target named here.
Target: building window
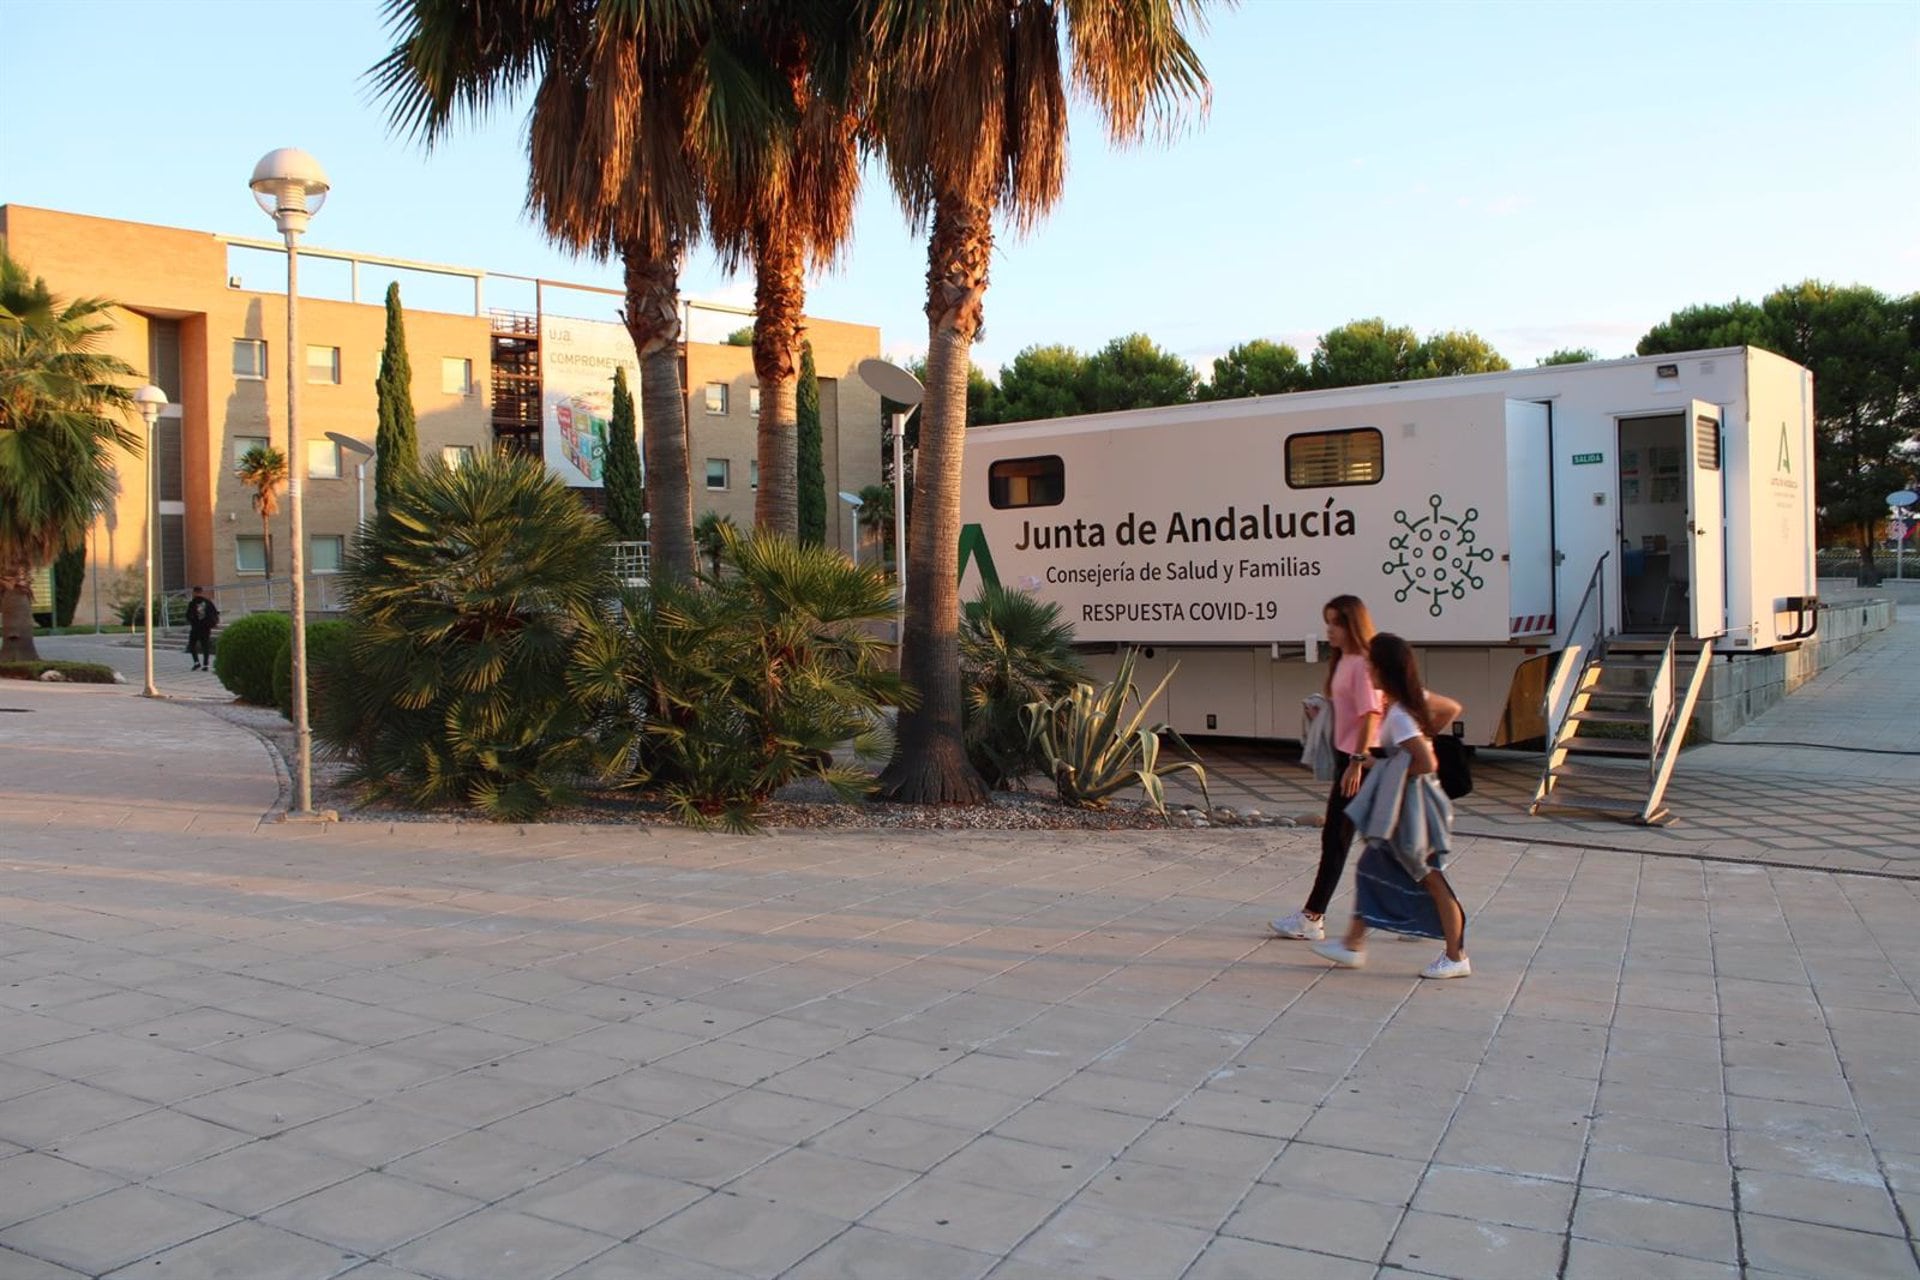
(1026, 482)
(242, 445)
(249, 358)
(325, 551)
(753, 473)
(249, 554)
(323, 365)
(456, 375)
(718, 472)
(716, 398)
(456, 455)
(1328, 459)
(323, 460)
(753, 398)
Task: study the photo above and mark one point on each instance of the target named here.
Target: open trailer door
(1706, 523)
(1530, 550)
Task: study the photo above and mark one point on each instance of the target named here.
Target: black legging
(1336, 838)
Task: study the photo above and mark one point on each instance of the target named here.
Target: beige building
(203, 316)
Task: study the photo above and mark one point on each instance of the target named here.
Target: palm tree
(710, 534)
(263, 469)
(875, 512)
(789, 209)
(971, 109)
(626, 105)
(62, 402)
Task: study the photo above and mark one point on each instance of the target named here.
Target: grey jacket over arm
(1407, 812)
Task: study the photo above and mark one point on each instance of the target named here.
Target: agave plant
(722, 690)
(1014, 650)
(1092, 754)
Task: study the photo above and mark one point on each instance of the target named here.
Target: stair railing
(1667, 754)
(1660, 705)
(1584, 636)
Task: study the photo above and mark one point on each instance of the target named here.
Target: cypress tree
(397, 441)
(811, 480)
(626, 504)
(69, 571)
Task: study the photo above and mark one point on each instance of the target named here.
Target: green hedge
(78, 672)
(327, 652)
(244, 661)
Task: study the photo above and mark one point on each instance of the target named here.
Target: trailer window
(1026, 482)
(1324, 459)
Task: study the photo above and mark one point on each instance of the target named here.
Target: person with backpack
(203, 615)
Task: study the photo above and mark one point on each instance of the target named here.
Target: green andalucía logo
(1436, 556)
(973, 546)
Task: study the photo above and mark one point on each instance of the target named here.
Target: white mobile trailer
(1474, 515)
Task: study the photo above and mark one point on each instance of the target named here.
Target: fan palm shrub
(722, 690)
(1014, 650)
(1094, 749)
(468, 601)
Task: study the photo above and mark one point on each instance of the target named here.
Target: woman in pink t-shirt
(1355, 707)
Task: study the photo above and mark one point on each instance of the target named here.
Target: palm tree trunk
(266, 548)
(929, 764)
(653, 321)
(16, 613)
(780, 298)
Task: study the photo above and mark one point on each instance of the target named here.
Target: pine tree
(812, 478)
(626, 504)
(397, 443)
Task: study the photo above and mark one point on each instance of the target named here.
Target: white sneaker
(1338, 953)
(1445, 968)
(1299, 925)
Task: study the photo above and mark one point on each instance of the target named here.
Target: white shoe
(1445, 968)
(1299, 925)
(1339, 954)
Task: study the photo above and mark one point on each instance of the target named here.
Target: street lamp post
(291, 186)
(901, 387)
(363, 453)
(853, 517)
(151, 400)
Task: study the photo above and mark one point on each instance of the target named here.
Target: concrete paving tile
(743, 1234)
(731, 1063)
(1131, 1188)
(994, 1161)
(1321, 1224)
(148, 1144)
(637, 1262)
(1640, 1135)
(484, 1165)
(109, 1231)
(688, 1152)
(1851, 1205)
(371, 1213)
(1333, 1171)
(32, 1184)
(894, 1140)
(770, 1116)
(1447, 1246)
(576, 1125)
(373, 1134)
(612, 1201)
(1244, 1113)
(657, 1091)
(1083, 1241)
(1230, 1259)
(835, 1186)
(18, 1266)
(956, 1105)
(280, 1050)
(1659, 1177)
(245, 1249)
(961, 1214)
(1377, 1131)
(264, 1107)
(1068, 1125)
(843, 1085)
(1150, 1099)
(496, 1244)
(474, 1097)
(1498, 1198)
(1693, 1231)
(368, 1074)
(1592, 1260)
(251, 1179)
(1775, 1245)
(867, 1254)
(47, 1115)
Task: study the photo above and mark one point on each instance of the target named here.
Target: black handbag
(1451, 763)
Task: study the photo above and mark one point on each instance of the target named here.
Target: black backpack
(1452, 765)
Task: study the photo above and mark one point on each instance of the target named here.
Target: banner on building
(577, 359)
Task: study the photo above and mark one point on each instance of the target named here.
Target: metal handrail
(1660, 704)
(1584, 635)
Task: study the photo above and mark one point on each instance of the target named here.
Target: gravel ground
(804, 804)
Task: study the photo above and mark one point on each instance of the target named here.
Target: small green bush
(327, 646)
(1014, 650)
(77, 672)
(244, 662)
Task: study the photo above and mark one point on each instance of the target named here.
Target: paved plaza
(231, 1047)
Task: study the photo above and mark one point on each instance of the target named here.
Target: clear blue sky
(1545, 174)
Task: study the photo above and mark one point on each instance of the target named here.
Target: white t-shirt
(1399, 725)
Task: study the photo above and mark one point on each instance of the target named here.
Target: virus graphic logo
(1437, 556)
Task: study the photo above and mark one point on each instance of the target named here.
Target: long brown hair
(1399, 675)
(1356, 622)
